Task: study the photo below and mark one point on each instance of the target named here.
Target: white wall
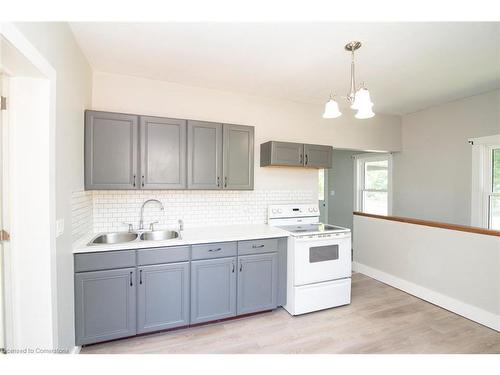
(432, 176)
(56, 43)
(453, 269)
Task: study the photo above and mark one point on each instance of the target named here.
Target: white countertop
(191, 236)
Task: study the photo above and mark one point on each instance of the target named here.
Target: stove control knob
(274, 210)
(315, 209)
(310, 209)
(279, 210)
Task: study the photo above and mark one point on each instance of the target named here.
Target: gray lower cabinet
(213, 289)
(163, 153)
(238, 157)
(318, 156)
(105, 305)
(111, 142)
(162, 297)
(257, 283)
(204, 145)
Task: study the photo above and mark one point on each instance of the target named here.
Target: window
(373, 183)
(485, 205)
(493, 197)
(321, 184)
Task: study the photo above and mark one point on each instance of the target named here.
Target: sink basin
(112, 238)
(159, 235)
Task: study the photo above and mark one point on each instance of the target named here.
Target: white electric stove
(319, 259)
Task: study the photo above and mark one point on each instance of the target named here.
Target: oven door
(322, 258)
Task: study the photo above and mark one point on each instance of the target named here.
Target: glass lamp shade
(365, 113)
(332, 109)
(362, 100)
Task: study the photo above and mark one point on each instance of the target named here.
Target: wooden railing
(435, 224)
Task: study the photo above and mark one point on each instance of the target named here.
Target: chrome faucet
(141, 222)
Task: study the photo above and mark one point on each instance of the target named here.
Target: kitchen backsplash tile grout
(107, 210)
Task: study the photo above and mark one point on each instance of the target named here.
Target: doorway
(28, 302)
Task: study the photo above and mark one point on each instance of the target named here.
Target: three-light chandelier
(358, 99)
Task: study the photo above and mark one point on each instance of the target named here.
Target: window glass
(495, 212)
(496, 170)
(376, 175)
(375, 202)
(321, 184)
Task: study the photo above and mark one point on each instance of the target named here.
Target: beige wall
(273, 120)
(432, 176)
(56, 43)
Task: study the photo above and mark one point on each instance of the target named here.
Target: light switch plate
(59, 227)
(332, 193)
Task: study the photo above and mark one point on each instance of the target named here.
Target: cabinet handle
(241, 266)
(134, 180)
(301, 158)
(131, 282)
(140, 277)
(218, 181)
(225, 182)
(257, 246)
(306, 159)
(233, 267)
(142, 181)
(214, 250)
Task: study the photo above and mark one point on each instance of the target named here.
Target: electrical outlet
(59, 227)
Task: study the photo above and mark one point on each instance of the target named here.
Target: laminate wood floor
(380, 319)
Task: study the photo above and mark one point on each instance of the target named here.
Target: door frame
(29, 287)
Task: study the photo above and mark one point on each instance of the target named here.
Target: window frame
(482, 179)
(359, 179)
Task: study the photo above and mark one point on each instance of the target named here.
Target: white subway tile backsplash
(205, 207)
(81, 214)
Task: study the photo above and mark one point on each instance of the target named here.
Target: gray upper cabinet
(238, 157)
(162, 297)
(281, 154)
(290, 154)
(105, 305)
(111, 141)
(213, 289)
(317, 156)
(257, 282)
(204, 145)
(163, 153)
(142, 152)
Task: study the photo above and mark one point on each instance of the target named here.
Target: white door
(322, 258)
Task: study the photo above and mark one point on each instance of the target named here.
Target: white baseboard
(75, 350)
(473, 313)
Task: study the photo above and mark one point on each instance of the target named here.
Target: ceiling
(406, 66)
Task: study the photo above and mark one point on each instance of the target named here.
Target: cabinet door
(110, 151)
(317, 156)
(105, 303)
(204, 155)
(287, 154)
(163, 297)
(213, 289)
(257, 282)
(163, 153)
(238, 152)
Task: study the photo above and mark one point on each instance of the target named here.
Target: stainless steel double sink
(123, 237)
